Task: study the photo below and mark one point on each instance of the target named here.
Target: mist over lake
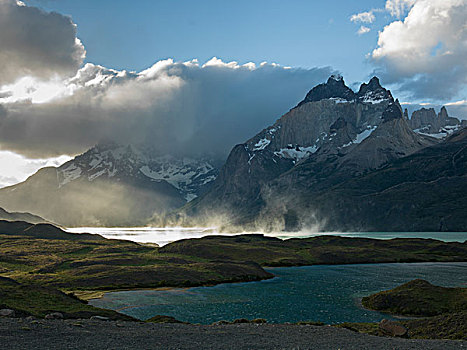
(165, 235)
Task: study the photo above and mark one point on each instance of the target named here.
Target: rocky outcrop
(426, 121)
(392, 328)
(7, 313)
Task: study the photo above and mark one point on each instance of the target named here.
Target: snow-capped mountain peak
(189, 176)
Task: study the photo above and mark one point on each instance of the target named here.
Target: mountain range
(111, 185)
(291, 175)
(326, 164)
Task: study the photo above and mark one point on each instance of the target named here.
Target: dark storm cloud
(173, 107)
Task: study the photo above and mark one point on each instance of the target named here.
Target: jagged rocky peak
(443, 113)
(334, 88)
(373, 92)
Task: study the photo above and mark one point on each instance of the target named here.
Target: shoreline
(98, 294)
(93, 295)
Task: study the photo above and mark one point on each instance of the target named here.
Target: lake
(162, 236)
(326, 293)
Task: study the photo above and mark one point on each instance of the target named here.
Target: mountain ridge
(260, 182)
(334, 134)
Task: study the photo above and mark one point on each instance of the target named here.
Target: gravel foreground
(93, 334)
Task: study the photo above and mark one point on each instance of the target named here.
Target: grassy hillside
(418, 298)
(268, 251)
(47, 256)
(447, 306)
(89, 262)
(39, 301)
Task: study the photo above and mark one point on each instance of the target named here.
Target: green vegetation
(45, 262)
(47, 256)
(39, 301)
(418, 298)
(268, 251)
(447, 306)
(446, 326)
(111, 265)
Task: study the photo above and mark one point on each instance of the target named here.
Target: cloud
(36, 43)
(183, 108)
(425, 54)
(51, 105)
(458, 109)
(363, 17)
(363, 30)
(398, 7)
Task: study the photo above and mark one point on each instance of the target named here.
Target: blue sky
(297, 33)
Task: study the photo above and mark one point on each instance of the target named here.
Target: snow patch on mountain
(373, 98)
(70, 173)
(188, 176)
(443, 132)
(296, 153)
(338, 100)
(261, 144)
(364, 134)
(361, 136)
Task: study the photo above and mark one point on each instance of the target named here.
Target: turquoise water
(327, 293)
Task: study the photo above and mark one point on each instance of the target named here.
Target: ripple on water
(327, 293)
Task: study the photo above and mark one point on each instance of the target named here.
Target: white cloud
(36, 43)
(50, 106)
(426, 51)
(175, 107)
(363, 30)
(457, 103)
(363, 17)
(398, 7)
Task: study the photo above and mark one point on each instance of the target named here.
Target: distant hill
(16, 216)
(41, 231)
